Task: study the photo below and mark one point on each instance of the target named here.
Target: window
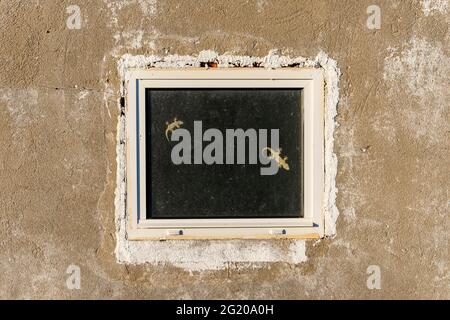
(235, 153)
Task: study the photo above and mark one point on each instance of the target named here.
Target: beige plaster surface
(59, 91)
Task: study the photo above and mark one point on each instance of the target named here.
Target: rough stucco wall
(58, 105)
(209, 255)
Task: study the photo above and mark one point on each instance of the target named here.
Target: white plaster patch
(22, 107)
(196, 255)
(422, 66)
(148, 8)
(210, 255)
(20, 104)
(132, 39)
(83, 94)
(349, 214)
(430, 7)
(260, 5)
(115, 6)
(421, 69)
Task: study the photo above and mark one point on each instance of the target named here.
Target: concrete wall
(59, 91)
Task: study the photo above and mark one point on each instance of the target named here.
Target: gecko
(175, 124)
(276, 155)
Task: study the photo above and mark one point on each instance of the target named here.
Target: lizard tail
(167, 135)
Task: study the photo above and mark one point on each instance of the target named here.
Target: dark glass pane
(222, 190)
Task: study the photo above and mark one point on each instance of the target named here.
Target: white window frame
(311, 225)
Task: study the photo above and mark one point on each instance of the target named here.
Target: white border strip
(193, 255)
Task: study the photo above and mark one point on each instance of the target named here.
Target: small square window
(216, 153)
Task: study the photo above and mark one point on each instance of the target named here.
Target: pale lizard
(172, 126)
(276, 155)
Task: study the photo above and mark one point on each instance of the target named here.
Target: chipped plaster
(422, 68)
(430, 7)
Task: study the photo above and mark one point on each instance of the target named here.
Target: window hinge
(278, 231)
(174, 232)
